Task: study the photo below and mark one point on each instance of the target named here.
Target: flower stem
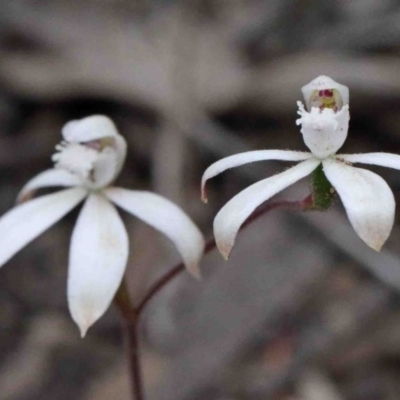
(300, 205)
(131, 313)
(130, 324)
(134, 357)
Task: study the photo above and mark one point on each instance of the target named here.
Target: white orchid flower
(88, 161)
(368, 200)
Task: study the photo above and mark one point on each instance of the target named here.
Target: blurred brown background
(303, 310)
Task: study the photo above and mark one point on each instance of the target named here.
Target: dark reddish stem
(134, 357)
(132, 313)
(302, 205)
(130, 325)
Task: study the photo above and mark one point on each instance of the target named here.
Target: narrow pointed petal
(27, 221)
(231, 217)
(98, 257)
(367, 198)
(166, 217)
(49, 178)
(382, 159)
(248, 157)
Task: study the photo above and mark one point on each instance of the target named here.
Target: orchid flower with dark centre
(88, 161)
(368, 200)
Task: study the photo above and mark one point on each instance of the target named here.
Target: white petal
(49, 178)
(90, 128)
(321, 83)
(98, 257)
(168, 218)
(25, 222)
(230, 218)
(248, 157)
(367, 198)
(382, 159)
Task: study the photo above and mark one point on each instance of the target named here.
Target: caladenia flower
(88, 161)
(368, 200)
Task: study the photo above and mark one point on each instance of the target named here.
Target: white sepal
(368, 200)
(248, 157)
(98, 257)
(231, 217)
(26, 221)
(49, 178)
(166, 217)
(88, 129)
(388, 160)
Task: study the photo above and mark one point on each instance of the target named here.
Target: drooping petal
(367, 198)
(382, 159)
(98, 257)
(49, 178)
(324, 83)
(166, 217)
(230, 218)
(27, 221)
(248, 157)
